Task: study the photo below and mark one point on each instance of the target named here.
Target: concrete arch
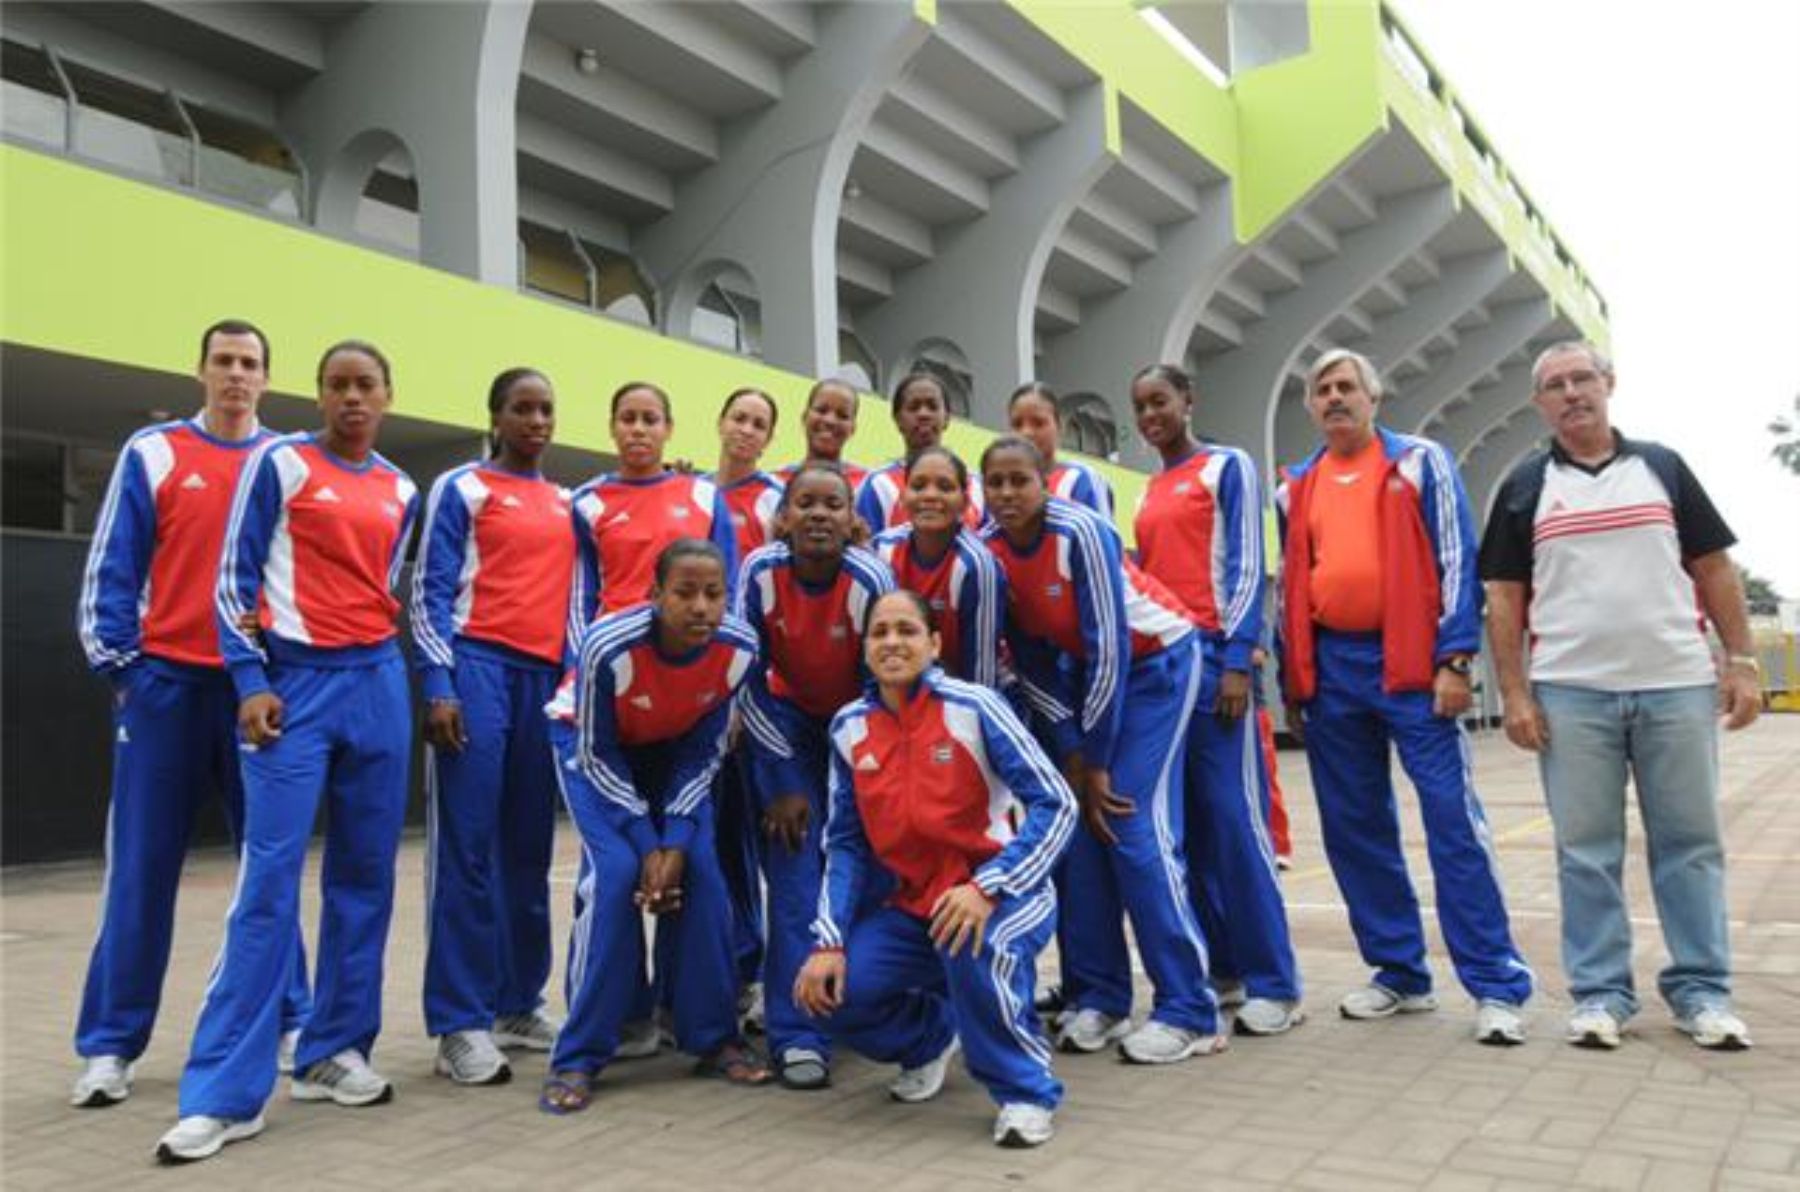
(341, 183)
(442, 79)
(682, 307)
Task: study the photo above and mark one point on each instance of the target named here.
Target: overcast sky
(1666, 150)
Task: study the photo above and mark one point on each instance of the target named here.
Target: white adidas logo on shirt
(326, 496)
(867, 762)
(194, 480)
(511, 502)
(641, 701)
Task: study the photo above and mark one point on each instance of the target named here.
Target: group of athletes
(840, 734)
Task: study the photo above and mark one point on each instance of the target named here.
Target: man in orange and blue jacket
(1380, 625)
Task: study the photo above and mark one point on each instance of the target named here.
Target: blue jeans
(1669, 741)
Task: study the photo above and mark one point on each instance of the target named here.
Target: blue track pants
(491, 820)
(1349, 726)
(175, 744)
(739, 831)
(793, 881)
(1145, 872)
(1230, 855)
(346, 734)
(604, 983)
(904, 1000)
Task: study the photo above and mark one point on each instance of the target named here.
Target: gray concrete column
(770, 204)
(1478, 352)
(980, 289)
(1463, 426)
(439, 78)
(1248, 380)
(1486, 464)
(1149, 321)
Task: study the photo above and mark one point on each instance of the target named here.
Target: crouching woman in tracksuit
(653, 695)
(924, 772)
(317, 530)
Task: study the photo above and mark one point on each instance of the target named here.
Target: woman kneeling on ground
(924, 771)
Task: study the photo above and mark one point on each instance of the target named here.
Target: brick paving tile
(1605, 1169)
(1673, 1175)
(1337, 1105)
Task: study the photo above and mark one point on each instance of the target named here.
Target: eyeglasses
(1569, 382)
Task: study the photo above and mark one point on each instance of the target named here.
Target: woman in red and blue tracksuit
(922, 415)
(807, 598)
(1199, 530)
(1099, 645)
(747, 421)
(490, 613)
(934, 554)
(623, 519)
(1035, 414)
(829, 423)
(653, 694)
(926, 772)
(313, 550)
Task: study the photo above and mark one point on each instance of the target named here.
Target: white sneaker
(535, 1031)
(1376, 1000)
(1088, 1031)
(926, 1081)
(104, 1080)
(1499, 1024)
(1268, 1016)
(638, 1040)
(284, 1055)
(1159, 1043)
(1592, 1025)
(471, 1057)
(1023, 1125)
(1716, 1029)
(201, 1137)
(345, 1078)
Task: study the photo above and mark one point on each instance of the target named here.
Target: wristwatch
(1749, 662)
(1458, 664)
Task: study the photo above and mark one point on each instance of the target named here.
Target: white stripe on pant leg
(1484, 837)
(1252, 788)
(431, 840)
(581, 931)
(582, 927)
(237, 894)
(1003, 965)
(1159, 817)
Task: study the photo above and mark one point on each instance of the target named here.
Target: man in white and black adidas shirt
(1613, 554)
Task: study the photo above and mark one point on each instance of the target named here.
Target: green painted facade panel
(110, 269)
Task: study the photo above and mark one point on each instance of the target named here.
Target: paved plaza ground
(1334, 1105)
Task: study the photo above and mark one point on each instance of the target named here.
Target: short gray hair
(1332, 357)
(1601, 362)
